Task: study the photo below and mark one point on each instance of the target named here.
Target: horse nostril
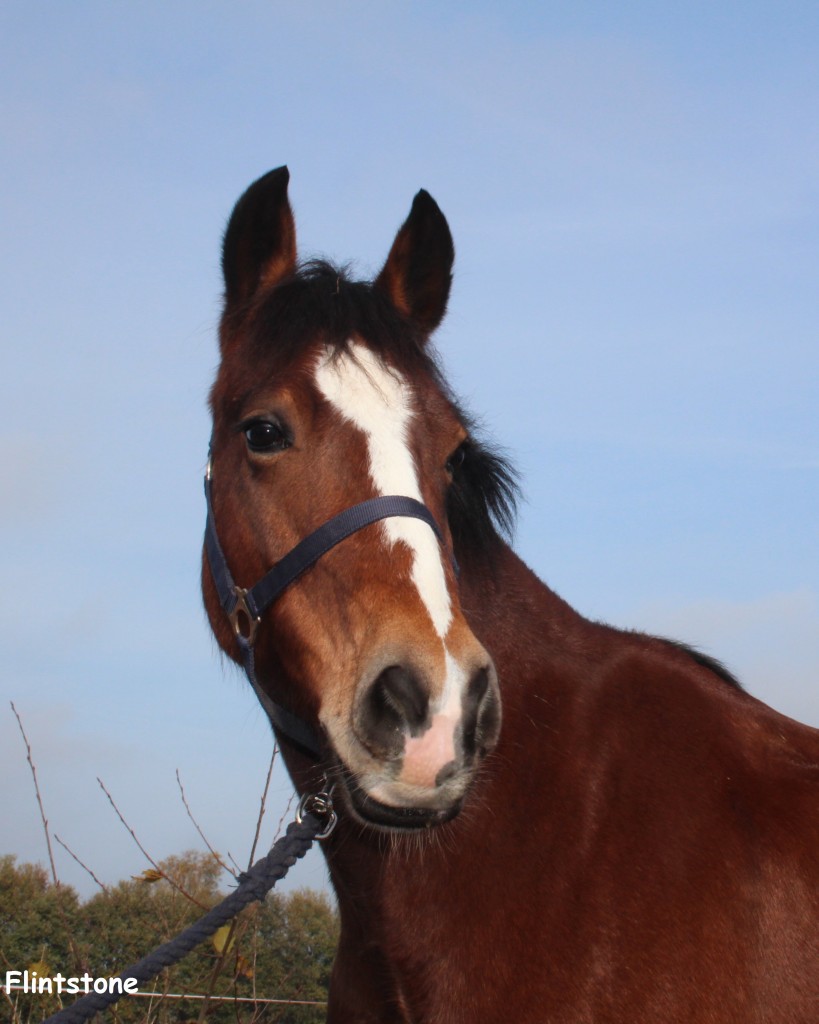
(478, 685)
(481, 717)
(402, 691)
(395, 701)
(449, 771)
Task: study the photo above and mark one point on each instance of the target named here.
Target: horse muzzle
(413, 759)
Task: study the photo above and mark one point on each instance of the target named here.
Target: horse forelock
(323, 301)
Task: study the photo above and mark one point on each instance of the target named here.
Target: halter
(245, 607)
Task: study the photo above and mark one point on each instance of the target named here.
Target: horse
(540, 817)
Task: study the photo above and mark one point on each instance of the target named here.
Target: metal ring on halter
(243, 621)
(321, 805)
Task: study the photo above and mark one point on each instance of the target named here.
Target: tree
(282, 949)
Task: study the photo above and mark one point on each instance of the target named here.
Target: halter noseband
(244, 608)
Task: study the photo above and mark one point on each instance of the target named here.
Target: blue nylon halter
(244, 608)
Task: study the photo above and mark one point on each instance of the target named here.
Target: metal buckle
(243, 621)
(321, 805)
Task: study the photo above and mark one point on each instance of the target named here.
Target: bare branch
(221, 959)
(213, 852)
(262, 805)
(147, 855)
(85, 867)
(37, 791)
(285, 814)
(72, 945)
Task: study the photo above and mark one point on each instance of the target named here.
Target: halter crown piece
(244, 608)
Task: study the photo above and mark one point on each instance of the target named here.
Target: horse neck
(519, 619)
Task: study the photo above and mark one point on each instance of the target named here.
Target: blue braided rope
(253, 886)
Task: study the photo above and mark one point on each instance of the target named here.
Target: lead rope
(315, 819)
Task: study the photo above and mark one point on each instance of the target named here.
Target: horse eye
(456, 459)
(265, 436)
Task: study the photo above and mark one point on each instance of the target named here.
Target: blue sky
(634, 199)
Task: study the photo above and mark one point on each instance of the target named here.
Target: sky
(634, 196)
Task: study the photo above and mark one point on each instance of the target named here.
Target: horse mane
(704, 661)
(322, 299)
(483, 498)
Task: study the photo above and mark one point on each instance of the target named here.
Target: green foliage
(282, 949)
(303, 930)
(35, 915)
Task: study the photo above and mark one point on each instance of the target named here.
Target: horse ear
(418, 272)
(260, 240)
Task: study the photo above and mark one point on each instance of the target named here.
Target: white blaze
(378, 400)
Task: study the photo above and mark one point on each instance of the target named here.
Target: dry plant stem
(255, 948)
(217, 970)
(147, 856)
(202, 835)
(286, 814)
(37, 791)
(220, 962)
(10, 1001)
(85, 867)
(15, 1016)
(13, 1003)
(72, 945)
(151, 1005)
(262, 804)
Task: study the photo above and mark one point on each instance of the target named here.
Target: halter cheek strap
(245, 608)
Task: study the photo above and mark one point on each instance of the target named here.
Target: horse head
(327, 396)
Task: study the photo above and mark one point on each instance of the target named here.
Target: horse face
(371, 642)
